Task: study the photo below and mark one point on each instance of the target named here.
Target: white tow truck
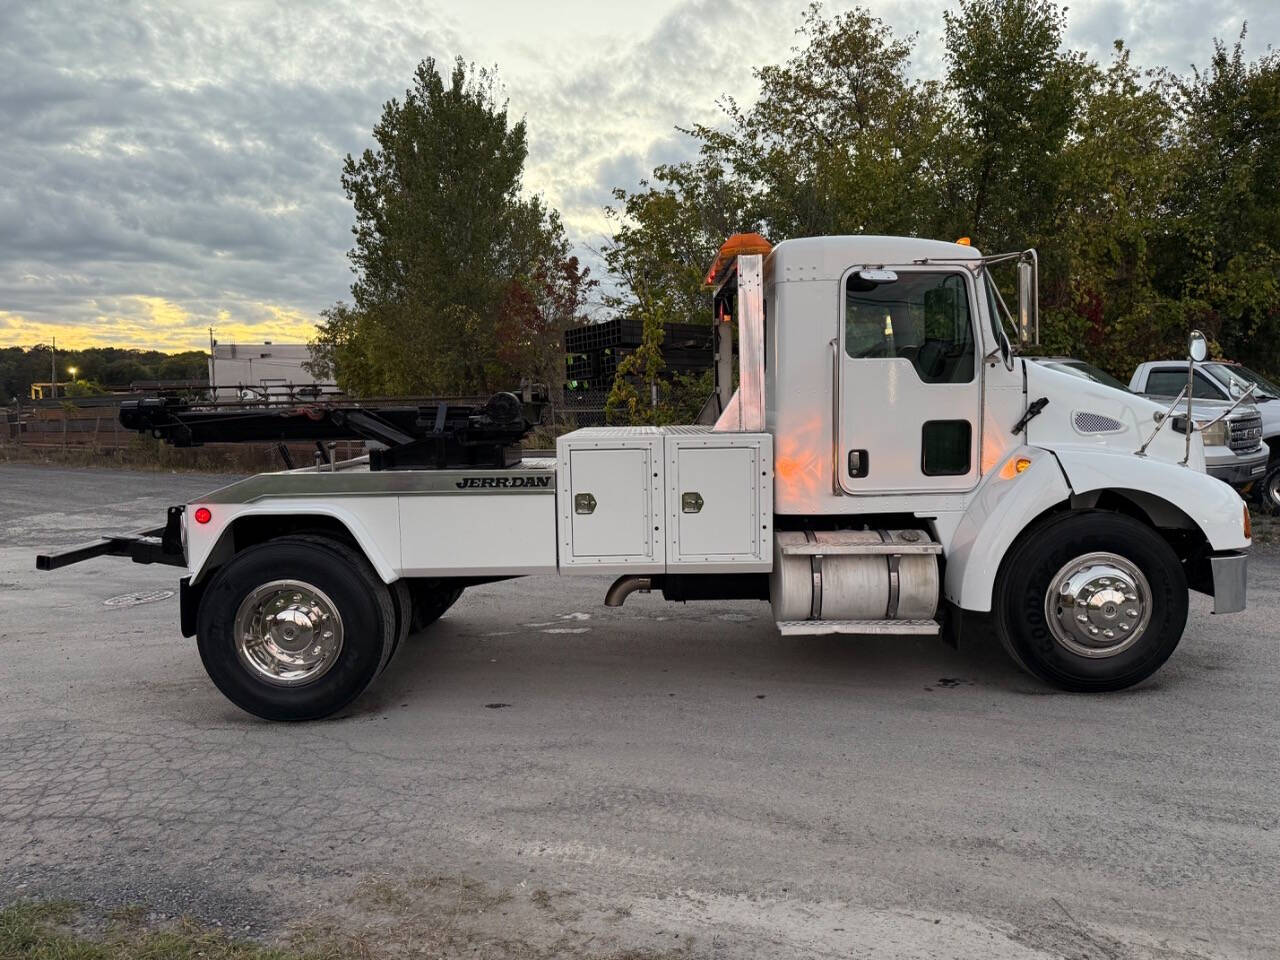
(884, 464)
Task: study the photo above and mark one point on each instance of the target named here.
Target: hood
(1085, 413)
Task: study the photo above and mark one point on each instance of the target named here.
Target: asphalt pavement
(660, 777)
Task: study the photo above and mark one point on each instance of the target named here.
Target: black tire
(1269, 488)
(431, 598)
(361, 599)
(1027, 574)
(402, 602)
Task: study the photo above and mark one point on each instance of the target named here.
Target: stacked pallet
(594, 352)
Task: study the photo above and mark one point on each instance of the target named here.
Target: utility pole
(213, 383)
(53, 368)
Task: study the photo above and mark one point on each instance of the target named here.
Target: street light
(72, 371)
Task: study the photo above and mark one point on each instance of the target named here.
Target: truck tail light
(203, 515)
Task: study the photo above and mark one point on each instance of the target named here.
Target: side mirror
(1027, 302)
(1197, 346)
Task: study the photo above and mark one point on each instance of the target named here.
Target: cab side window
(921, 317)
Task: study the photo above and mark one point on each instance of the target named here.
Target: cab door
(910, 377)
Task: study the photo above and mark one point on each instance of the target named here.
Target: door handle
(859, 463)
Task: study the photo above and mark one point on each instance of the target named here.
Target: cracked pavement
(680, 771)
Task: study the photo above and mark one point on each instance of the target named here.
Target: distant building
(263, 371)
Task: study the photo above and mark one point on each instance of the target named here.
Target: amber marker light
(1248, 523)
(1014, 467)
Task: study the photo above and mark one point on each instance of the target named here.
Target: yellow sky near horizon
(154, 323)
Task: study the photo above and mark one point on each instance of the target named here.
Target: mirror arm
(1227, 412)
(1164, 417)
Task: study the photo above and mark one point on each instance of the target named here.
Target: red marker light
(203, 515)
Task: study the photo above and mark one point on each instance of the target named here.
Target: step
(817, 628)
(897, 549)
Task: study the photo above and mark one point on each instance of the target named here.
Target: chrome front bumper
(1230, 581)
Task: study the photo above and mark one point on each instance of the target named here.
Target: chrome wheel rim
(288, 632)
(1098, 605)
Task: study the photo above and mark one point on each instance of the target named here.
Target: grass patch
(56, 931)
(424, 918)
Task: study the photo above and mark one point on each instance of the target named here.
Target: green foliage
(96, 368)
(462, 286)
(1153, 200)
(1221, 255)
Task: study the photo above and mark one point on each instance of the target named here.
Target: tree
(1221, 255)
(1016, 91)
(840, 140)
(443, 239)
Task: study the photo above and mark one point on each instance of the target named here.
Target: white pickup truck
(1244, 448)
(887, 464)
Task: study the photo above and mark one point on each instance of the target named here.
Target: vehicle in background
(1220, 381)
(1234, 449)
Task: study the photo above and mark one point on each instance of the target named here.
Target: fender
(373, 522)
(1005, 503)
(1209, 503)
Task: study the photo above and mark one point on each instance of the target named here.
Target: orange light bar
(736, 245)
(964, 242)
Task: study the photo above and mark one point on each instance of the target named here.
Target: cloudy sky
(166, 166)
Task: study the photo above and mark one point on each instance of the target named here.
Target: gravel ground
(538, 773)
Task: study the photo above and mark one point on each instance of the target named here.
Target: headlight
(1218, 435)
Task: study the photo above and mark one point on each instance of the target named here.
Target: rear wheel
(431, 598)
(295, 628)
(1091, 601)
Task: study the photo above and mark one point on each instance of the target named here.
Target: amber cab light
(203, 515)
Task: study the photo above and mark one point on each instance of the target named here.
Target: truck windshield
(1238, 380)
(921, 316)
(1087, 371)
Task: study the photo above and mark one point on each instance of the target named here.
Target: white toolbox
(657, 499)
(609, 500)
(719, 500)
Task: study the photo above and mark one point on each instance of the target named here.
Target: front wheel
(1091, 601)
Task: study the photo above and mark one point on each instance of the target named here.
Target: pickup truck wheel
(431, 598)
(295, 628)
(1091, 602)
(1269, 489)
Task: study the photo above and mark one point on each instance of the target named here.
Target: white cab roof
(827, 258)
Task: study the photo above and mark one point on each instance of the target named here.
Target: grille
(1246, 434)
(1096, 423)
